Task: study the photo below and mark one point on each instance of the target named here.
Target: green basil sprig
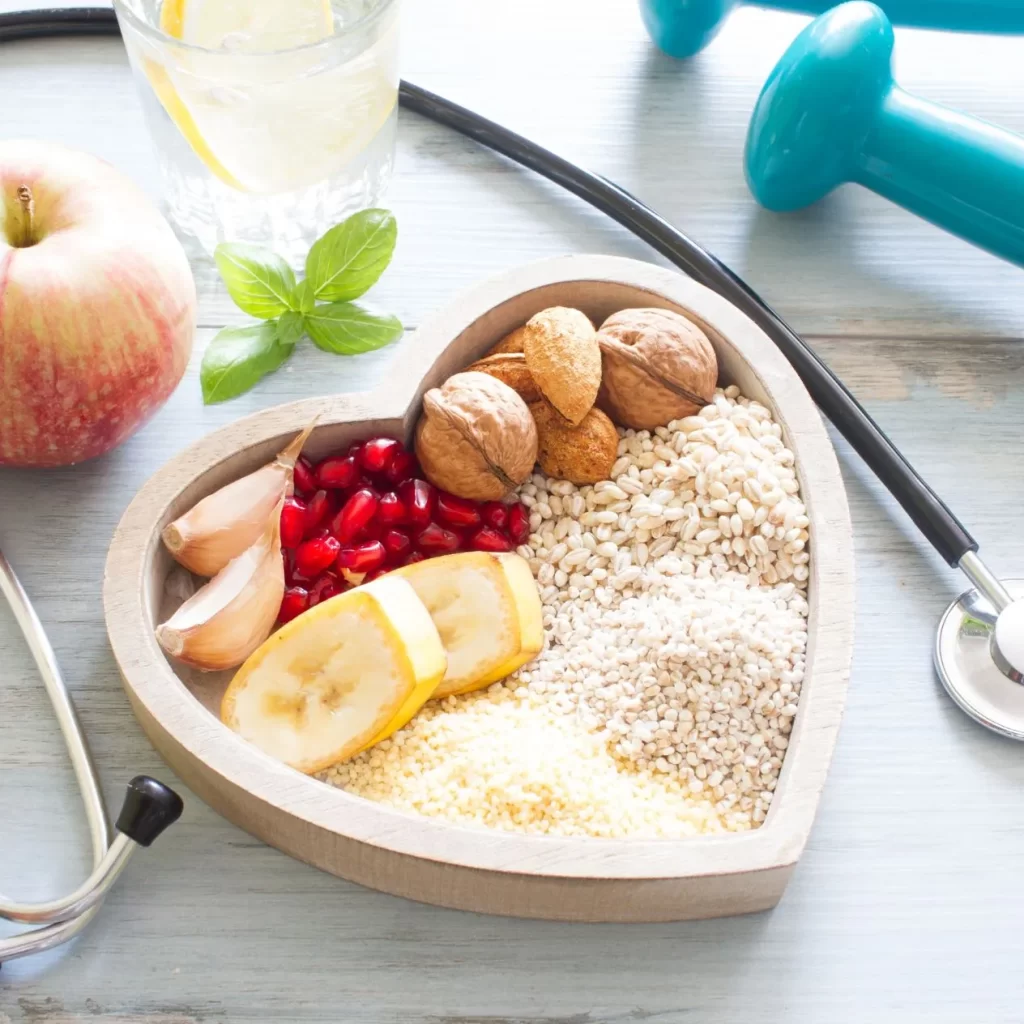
(341, 266)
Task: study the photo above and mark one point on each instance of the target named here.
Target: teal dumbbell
(831, 113)
(683, 28)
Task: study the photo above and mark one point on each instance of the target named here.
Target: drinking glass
(278, 128)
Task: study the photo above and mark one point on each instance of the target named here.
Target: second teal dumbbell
(683, 28)
(830, 113)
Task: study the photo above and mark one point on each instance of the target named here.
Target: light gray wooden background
(908, 903)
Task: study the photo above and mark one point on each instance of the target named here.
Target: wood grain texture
(906, 905)
(428, 859)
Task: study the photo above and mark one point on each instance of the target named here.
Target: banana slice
(327, 683)
(486, 608)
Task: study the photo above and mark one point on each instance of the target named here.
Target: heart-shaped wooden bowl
(579, 879)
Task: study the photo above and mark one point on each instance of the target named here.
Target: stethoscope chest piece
(979, 659)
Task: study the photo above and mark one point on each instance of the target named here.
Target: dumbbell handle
(683, 28)
(963, 174)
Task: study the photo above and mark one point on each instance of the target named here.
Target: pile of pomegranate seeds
(364, 512)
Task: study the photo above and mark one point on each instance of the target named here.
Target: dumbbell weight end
(830, 113)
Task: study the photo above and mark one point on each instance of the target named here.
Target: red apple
(97, 306)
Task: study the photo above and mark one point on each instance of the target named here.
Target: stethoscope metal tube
(991, 610)
(149, 806)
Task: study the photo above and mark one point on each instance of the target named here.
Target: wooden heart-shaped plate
(579, 879)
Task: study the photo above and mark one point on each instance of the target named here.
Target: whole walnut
(476, 437)
(658, 367)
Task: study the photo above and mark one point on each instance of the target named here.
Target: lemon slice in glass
(263, 107)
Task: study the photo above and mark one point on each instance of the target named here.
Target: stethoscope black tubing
(930, 514)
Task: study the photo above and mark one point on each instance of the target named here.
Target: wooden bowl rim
(152, 683)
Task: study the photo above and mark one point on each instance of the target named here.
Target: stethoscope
(979, 649)
(149, 806)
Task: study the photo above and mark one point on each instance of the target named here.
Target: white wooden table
(907, 905)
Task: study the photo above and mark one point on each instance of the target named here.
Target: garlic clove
(231, 520)
(227, 619)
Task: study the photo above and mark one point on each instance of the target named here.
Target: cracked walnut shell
(476, 437)
(583, 454)
(561, 350)
(658, 367)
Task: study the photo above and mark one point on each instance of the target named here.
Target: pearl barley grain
(676, 640)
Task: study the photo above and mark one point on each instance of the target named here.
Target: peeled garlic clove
(231, 520)
(227, 619)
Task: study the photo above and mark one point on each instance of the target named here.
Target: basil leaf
(260, 282)
(290, 328)
(303, 297)
(237, 358)
(348, 329)
(349, 258)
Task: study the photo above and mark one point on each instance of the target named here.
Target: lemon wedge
(325, 685)
(242, 26)
(263, 109)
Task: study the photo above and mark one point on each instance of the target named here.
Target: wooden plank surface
(906, 906)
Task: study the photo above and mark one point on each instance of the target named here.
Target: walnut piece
(583, 454)
(561, 350)
(511, 369)
(658, 367)
(476, 437)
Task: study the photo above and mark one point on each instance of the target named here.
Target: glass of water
(273, 120)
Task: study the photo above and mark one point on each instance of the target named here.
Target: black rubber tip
(149, 807)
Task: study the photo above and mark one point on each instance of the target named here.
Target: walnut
(511, 369)
(512, 342)
(658, 367)
(562, 353)
(476, 437)
(583, 454)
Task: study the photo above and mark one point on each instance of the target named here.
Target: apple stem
(23, 234)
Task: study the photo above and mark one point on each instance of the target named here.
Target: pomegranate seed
(318, 508)
(355, 514)
(453, 511)
(397, 543)
(293, 522)
(403, 466)
(373, 530)
(436, 540)
(325, 587)
(419, 499)
(365, 558)
(294, 603)
(374, 575)
(337, 474)
(313, 556)
(304, 477)
(416, 556)
(289, 567)
(364, 483)
(377, 454)
(488, 539)
(518, 523)
(391, 510)
(495, 513)
(353, 449)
